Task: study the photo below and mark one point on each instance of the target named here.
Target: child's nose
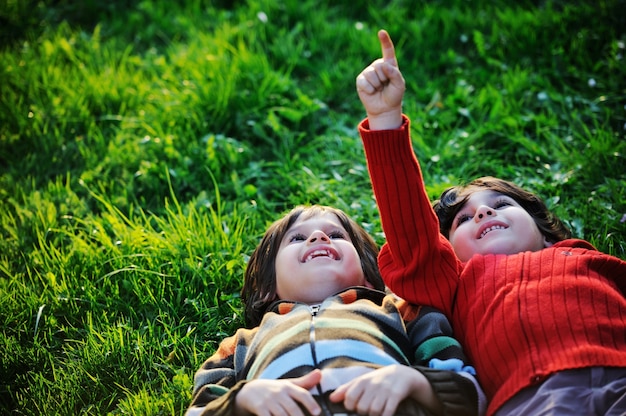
(318, 235)
(482, 212)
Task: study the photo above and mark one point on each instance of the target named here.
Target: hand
(381, 391)
(279, 397)
(381, 87)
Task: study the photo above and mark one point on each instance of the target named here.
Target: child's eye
(337, 235)
(462, 218)
(501, 203)
(297, 237)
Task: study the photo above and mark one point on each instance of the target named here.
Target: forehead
(315, 220)
(480, 196)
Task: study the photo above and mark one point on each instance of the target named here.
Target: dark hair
(454, 198)
(259, 288)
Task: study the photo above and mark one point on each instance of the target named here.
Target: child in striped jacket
(323, 337)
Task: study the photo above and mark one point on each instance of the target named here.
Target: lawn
(145, 146)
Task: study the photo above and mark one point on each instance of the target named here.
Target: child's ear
(366, 283)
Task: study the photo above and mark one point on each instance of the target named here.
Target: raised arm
(416, 262)
(381, 87)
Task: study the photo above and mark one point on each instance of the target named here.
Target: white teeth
(318, 253)
(495, 227)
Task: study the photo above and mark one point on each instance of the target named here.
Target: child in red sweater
(542, 316)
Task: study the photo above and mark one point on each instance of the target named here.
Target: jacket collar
(345, 297)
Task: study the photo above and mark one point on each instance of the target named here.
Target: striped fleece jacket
(521, 317)
(353, 332)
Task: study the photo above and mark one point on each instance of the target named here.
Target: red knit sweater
(519, 317)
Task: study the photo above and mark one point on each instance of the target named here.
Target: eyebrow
(325, 226)
(491, 197)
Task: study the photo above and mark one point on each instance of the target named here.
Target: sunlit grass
(144, 149)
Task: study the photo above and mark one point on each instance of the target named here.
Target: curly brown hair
(454, 198)
(259, 288)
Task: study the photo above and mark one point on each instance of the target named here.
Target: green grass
(144, 148)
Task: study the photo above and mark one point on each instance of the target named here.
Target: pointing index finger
(389, 52)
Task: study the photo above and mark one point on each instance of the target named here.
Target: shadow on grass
(20, 20)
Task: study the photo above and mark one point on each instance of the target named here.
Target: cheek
(281, 268)
(284, 257)
(451, 235)
(457, 236)
(461, 243)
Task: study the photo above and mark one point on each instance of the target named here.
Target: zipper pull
(314, 309)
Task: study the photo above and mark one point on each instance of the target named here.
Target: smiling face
(316, 259)
(492, 223)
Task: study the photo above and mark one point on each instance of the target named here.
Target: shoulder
(582, 249)
(574, 243)
(229, 345)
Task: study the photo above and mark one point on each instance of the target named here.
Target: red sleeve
(416, 262)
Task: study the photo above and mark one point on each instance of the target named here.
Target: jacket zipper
(314, 310)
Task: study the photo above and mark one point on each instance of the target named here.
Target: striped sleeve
(439, 356)
(215, 383)
(432, 338)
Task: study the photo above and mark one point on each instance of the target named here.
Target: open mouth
(319, 253)
(490, 229)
